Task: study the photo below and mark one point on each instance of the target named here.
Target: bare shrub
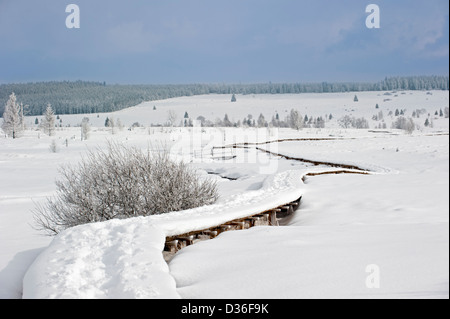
(122, 182)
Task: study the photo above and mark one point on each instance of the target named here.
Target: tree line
(81, 97)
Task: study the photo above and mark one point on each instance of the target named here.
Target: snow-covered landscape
(384, 234)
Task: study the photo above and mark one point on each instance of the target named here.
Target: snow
(110, 260)
(397, 221)
(396, 218)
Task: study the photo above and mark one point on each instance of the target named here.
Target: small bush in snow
(405, 124)
(122, 182)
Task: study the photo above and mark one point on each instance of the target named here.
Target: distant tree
(306, 119)
(441, 114)
(154, 107)
(226, 121)
(85, 128)
(202, 120)
(346, 121)
(427, 123)
(295, 120)
(446, 113)
(402, 123)
(330, 117)
(186, 115)
(319, 123)
(377, 106)
(111, 123)
(13, 117)
(36, 121)
(355, 99)
(171, 118)
(48, 122)
(397, 112)
(262, 121)
(233, 98)
(360, 123)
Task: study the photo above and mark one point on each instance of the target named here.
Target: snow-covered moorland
(383, 235)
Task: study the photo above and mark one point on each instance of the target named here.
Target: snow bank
(115, 259)
(123, 258)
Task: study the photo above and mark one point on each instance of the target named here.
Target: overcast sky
(230, 41)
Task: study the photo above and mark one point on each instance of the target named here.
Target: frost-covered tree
(171, 118)
(402, 123)
(360, 123)
(295, 120)
(319, 122)
(262, 121)
(85, 128)
(13, 117)
(111, 123)
(48, 122)
(346, 121)
(122, 182)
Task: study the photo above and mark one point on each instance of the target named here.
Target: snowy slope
(214, 107)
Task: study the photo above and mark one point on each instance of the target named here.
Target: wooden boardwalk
(267, 218)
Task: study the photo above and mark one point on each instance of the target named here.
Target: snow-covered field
(384, 235)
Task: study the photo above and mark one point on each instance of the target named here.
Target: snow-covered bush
(403, 123)
(122, 182)
(348, 121)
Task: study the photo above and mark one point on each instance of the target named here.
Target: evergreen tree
(48, 122)
(13, 117)
(233, 98)
(226, 121)
(262, 121)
